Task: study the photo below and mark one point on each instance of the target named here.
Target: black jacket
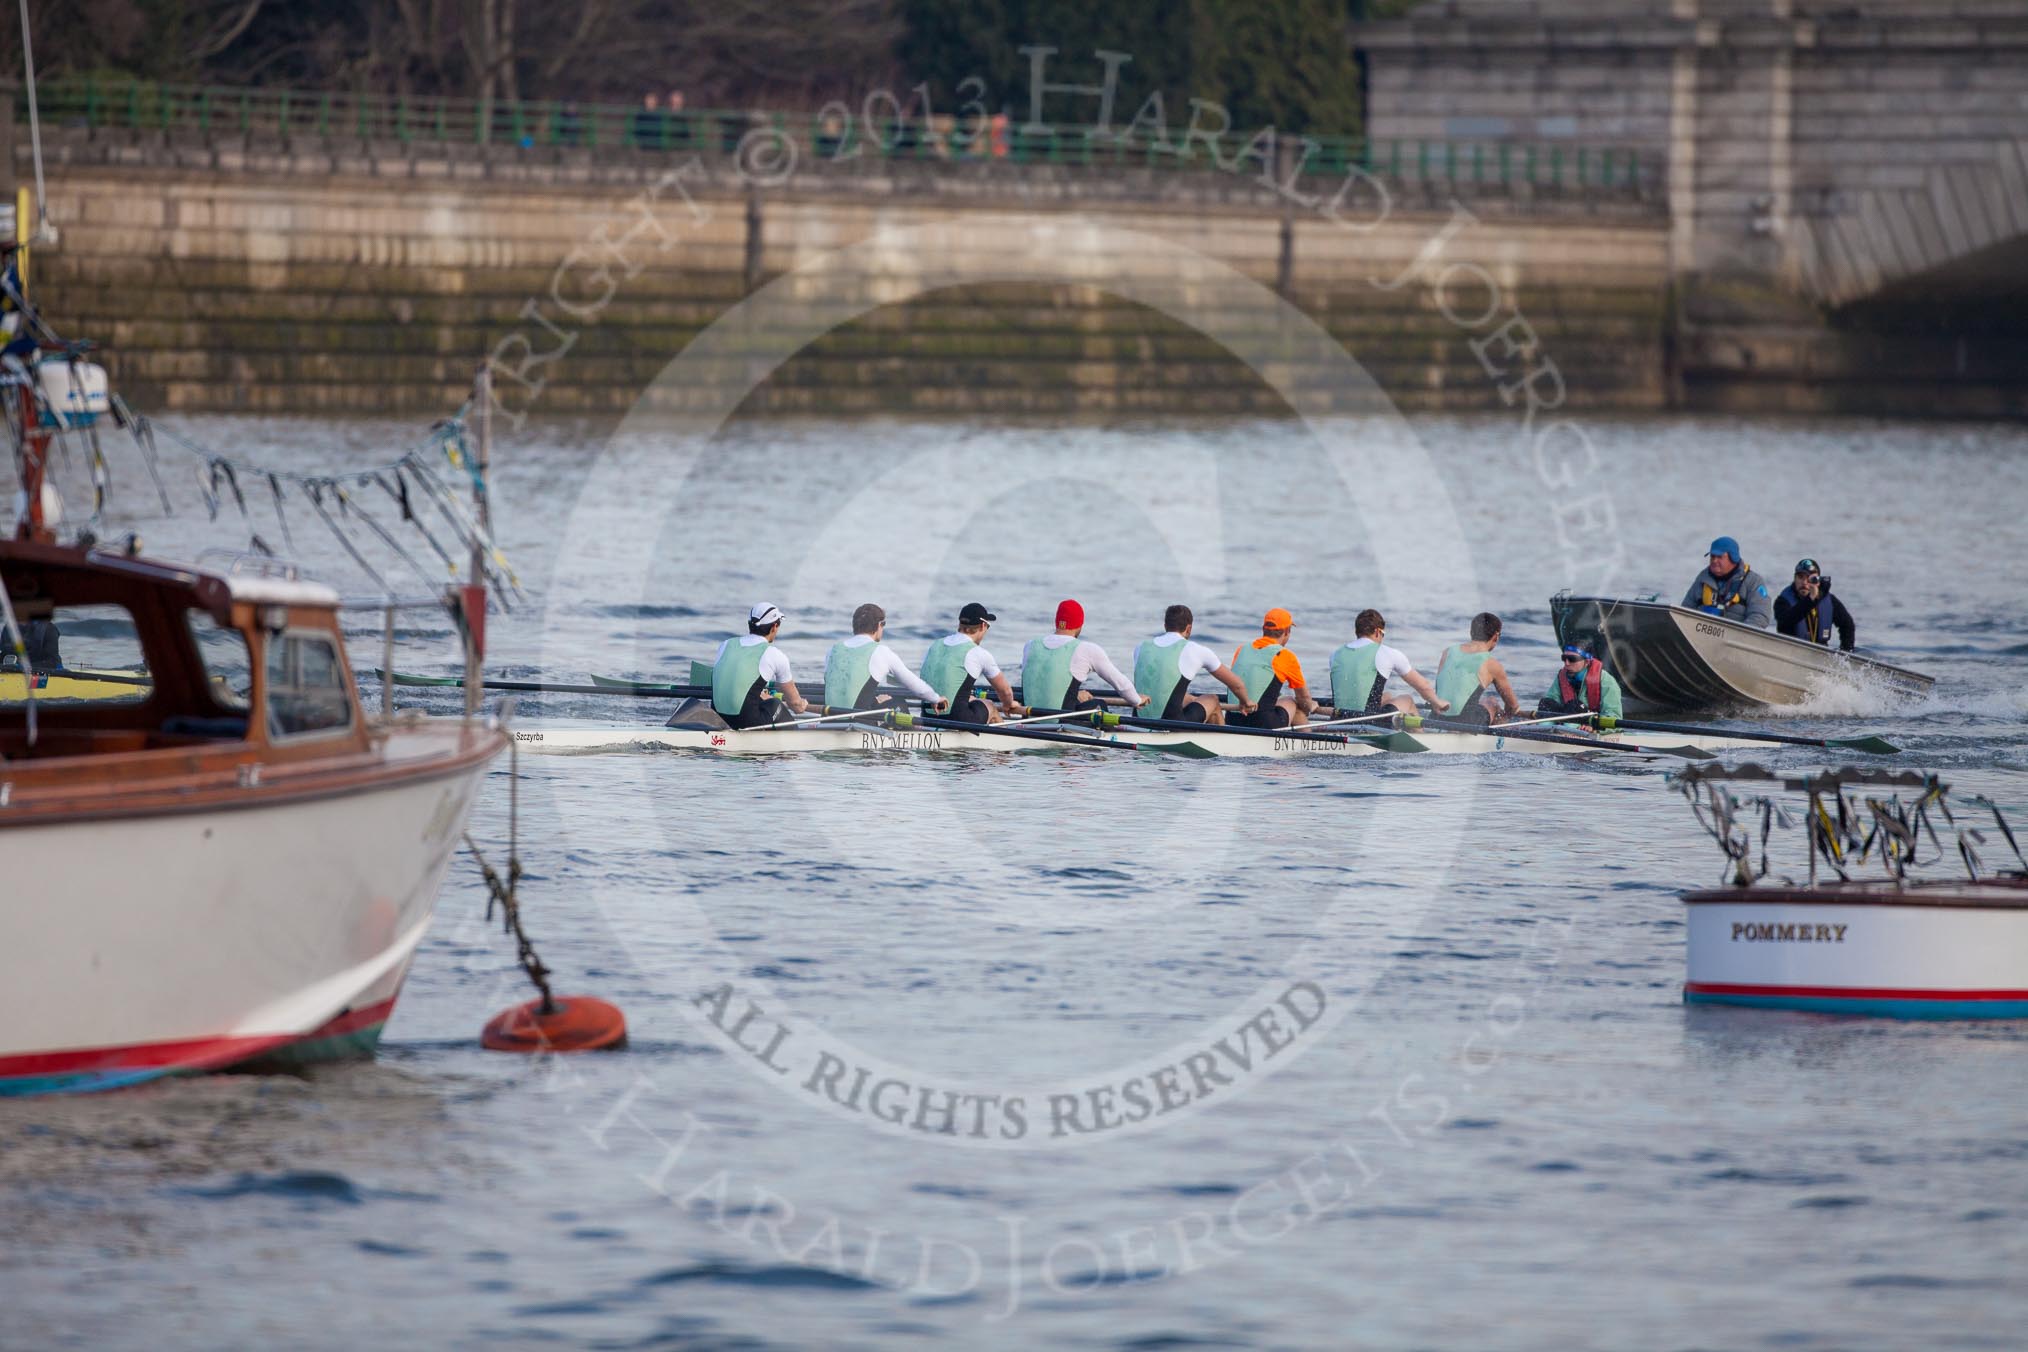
(1792, 616)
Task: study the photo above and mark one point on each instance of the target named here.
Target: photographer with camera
(1806, 609)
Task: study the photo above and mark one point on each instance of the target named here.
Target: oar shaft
(1002, 730)
(1538, 735)
(1185, 725)
(1779, 738)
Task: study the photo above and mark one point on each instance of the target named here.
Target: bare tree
(721, 52)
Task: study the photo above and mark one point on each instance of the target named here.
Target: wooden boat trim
(223, 790)
(1941, 894)
(181, 749)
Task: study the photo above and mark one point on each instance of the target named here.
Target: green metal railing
(830, 135)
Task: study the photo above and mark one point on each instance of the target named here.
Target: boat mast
(31, 450)
(31, 453)
(473, 598)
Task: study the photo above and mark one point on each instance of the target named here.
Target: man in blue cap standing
(1729, 589)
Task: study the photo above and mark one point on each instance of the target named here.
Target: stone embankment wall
(371, 278)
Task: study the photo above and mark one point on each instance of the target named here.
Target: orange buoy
(575, 1023)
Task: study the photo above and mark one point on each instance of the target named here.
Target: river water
(1079, 1050)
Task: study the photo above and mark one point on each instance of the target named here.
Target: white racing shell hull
(563, 739)
(588, 739)
(1935, 951)
(1672, 657)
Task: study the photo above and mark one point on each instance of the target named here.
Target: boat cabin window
(226, 664)
(83, 652)
(306, 685)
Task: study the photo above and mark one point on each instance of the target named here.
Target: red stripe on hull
(1848, 992)
(191, 1054)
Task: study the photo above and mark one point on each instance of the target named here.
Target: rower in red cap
(1054, 669)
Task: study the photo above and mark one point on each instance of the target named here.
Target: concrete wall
(378, 286)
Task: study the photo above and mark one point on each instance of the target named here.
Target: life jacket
(1729, 592)
(1815, 625)
(1566, 689)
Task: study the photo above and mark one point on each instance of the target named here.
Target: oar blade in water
(1682, 752)
(1391, 741)
(1187, 750)
(1875, 746)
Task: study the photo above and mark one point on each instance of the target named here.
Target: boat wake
(1845, 698)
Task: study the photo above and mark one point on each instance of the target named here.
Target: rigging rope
(1896, 825)
(43, 229)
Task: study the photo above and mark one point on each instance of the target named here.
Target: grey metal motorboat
(1673, 657)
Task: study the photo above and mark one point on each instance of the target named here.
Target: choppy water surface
(1376, 1052)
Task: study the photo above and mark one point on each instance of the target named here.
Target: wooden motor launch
(1896, 944)
(204, 878)
(217, 858)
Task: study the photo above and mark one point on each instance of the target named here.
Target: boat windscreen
(79, 653)
(226, 664)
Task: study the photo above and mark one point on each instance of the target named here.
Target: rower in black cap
(955, 663)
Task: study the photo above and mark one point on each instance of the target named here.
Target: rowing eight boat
(565, 739)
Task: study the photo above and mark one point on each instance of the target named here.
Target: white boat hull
(210, 938)
(564, 739)
(591, 739)
(1918, 957)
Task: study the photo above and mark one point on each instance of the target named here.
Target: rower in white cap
(745, 666)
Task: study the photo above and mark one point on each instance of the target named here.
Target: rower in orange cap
(1273, 677)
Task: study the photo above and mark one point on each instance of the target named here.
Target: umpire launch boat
(1673, 657)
